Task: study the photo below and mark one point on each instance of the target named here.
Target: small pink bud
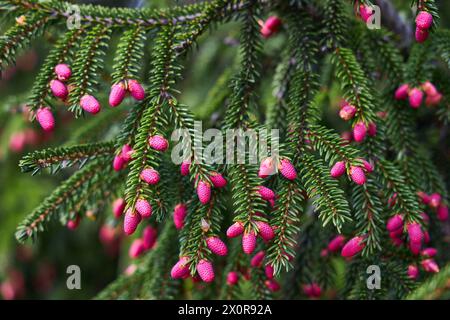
(415, 232)
(89, 104)
(433, 100)
(184, 168)
(413, 271)
(312, 290)
(394, 223)
(17, 141)
(353, 246)
(149, 175)
(357, 175)
(336, 243)
(205, 270)
(218, 180)
(158, 143)
(265, 230)
(149, 237)
(269, 271)
(421, 35)
(180, 269)
(59, 89)
(217, 246)
(117, 94)
(266, 193)
(179, 214)
(131, 221)
(73, 223)
(136, 90)
(424, 20)
(429, 265)
(428, 252)
(144, 208)
(415, 98)
(442, 212)
(232, 278)
(338, 169)
(402, 92)
(118, 163)
(118, 206)
(257, 259)
(424, 197)
(347, 112)
(365, 12)
(45, 118)
(270, 26)
(249, 242)
(63, 71)
(127, 152)
(235, 229)
(272, 285)
(359, 131)
(136, 248)
(367, 166)
(435, 200)
(204, 191)
(426, 237)
(429, 88)
(266, 168)
(372, 129)
(287, 169)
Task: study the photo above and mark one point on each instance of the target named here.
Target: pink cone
(428, 252)
(204, 192)
(287, 169)
(235, 229)
(232, 278)
(249, 242)
(73, 223)
(180, 269)
(415, 232)
(118, 206)
(90, 104)
(347, 112)
(415, 98)
(205, 270)
(266, 168)
(217, 246)
(402, 92)
(365, 12)
(435, 200)
(136, 248)
(117, 94)
(413, 272)
(158, 143)
(394, 223)
(218, 180)
(372, 129)
(429, 265)
(59, 89)
(367, 166)
(127, 152)
(269, 271)
(357, 175)
(265, 230)
(338, 169)
(442, 212)
(429, 88)
(45, 118)
(266, 193)
(144, 208)
(184, 168)
(272, 285)
(257, 259)
(359, 131)
(353, 246)
(118, 163)
(312, 290)
(136, 90)
(421, 35)
(131, 222)
(149, 237)
(424, 20)
(336, 243)
(149, 175)
(63, 72)
(179, 214)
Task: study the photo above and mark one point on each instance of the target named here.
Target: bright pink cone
(312, 290)
(59, 89)
(136, 249)
(365, 12)
(429, 265)
(144, 208)
(347, 112)
(149, 175)
(131, 222)
(204, 191)
(415, 98)
(117, 94)
(372, 129)
(205, 270)
(184, 168)
(218, 180)
(232, 278)
(424, 197)
(136, 90)
(338, 169)
(180, 269)
(353, 246)
(428, 252)
(421, 35)
(435, 200)
(179, 214)
(433, 100)
(426, 237)
(217, 246)
(249, 242)
(266, 168)
(149, 237)
(265, 230)
(269, 271)
(429, 88)
(90, 104)
(270, 26)
(17, 141)
(415, 232)
(442, 212)
(118, 162)
(424, 20)
(266, 193)
(45, 118)
(74, 223)
(257, 259)
(357, 175)
(158, 143)
(127, 152)
(287, 169)
(63, 71)
(413, 272)
(272, 285)
(394, 223)
(336, 243)
(359, 131)
(235, 229)
(118, 206)
(402, 92)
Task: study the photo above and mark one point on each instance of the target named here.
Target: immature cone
(359, 131)
(63, 71)
(144, 208)
(131, 222)
(312, 290)
(73, 223)
(232, 278)
(429, 265)
(394, 223)
(127, 152)
(421, 35)
(442, 212)
(424, 20)
(118, 206)
(435, 200)
(415, 98)
(117, 94)
(249, 242)
(17, 141)
(270, 26)
(336, 243)
(357, 175)
(149, 237)
(347, 112)
(184, 168)
(266, 168)
(433, 100)
(204, 191)
(372, 129)
(268, 270)
(365, 12)
(179, 214)
(45, 118)
(149, 175)
(402, 92)
(353, 246)
(429, 88)
(272, 285)
(287, 169)
(59, 89)
(235, 229)
(257, 259)
(118, 162)
(136, 89)
(367, 166)
(265, 230)
(428, 252)
(266, 193)
(424, 197)
(217, 180)
(338, 169)
(158, 143)
(90, 104)
(415, 232)
(413, 272)
(205, 270)
(136, 248)
(217, 246)
(180, 269)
